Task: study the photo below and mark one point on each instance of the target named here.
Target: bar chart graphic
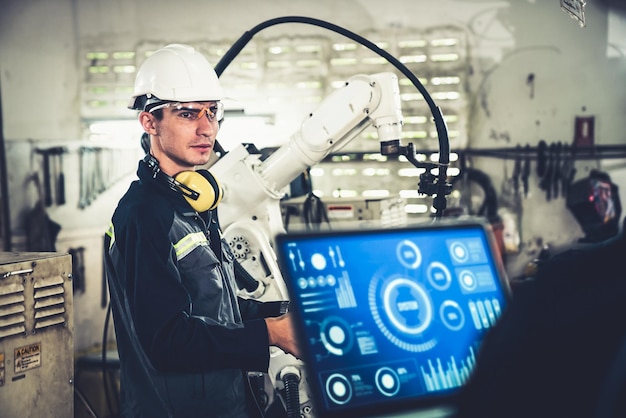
(441, 375)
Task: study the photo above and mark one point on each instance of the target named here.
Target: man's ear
(147, 122)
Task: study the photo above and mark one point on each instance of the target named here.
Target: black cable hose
(440, 124)
(105, 337)
(489, 206)
(314, 212)
(292, 395)
(81, 396)
(105, 373)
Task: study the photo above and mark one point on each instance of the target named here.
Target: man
(184, 337)
(559, 349)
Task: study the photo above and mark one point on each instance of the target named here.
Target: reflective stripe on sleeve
(188, 243)
(111, 234)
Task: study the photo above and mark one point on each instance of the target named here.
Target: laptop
(390, 319)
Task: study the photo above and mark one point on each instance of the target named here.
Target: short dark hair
(158, 114)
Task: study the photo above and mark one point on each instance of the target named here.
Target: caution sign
(27, 357)
(1, 369)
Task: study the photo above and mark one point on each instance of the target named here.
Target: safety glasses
(194, 111)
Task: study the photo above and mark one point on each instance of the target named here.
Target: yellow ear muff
(200, 189)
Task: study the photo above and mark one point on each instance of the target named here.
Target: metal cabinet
(36, 335)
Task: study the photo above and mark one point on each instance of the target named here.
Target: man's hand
(282, 335)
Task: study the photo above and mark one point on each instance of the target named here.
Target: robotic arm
(250, 213)
(253, 187)
(363, 101)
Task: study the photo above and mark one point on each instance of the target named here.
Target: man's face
(185, 136)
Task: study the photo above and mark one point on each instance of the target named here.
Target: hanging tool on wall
(100, 168)
(41, 231)
(47, 188)
(78, 269)
(526, 170)
(52, 167)
(556, 170)
(60, 195)
(517, 171)
(568, 170)
(82, 177)
(546, 179)
(90, 176)
(542, 151)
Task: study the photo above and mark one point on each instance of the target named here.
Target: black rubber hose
(292, 395)
(444, 146)
(440, 124)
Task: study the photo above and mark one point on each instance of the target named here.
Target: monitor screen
(391, 318)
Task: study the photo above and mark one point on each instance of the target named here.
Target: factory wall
(532, 69)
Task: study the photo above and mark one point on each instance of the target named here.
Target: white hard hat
(175, 73)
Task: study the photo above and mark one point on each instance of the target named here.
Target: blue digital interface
(393, 314)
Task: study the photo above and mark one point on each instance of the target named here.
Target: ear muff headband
(199, 188)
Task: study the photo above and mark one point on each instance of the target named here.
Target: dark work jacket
(558, 349)
(183, 335)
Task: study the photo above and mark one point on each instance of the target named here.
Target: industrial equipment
(253, 188)
(250, 213)
(36, 335)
